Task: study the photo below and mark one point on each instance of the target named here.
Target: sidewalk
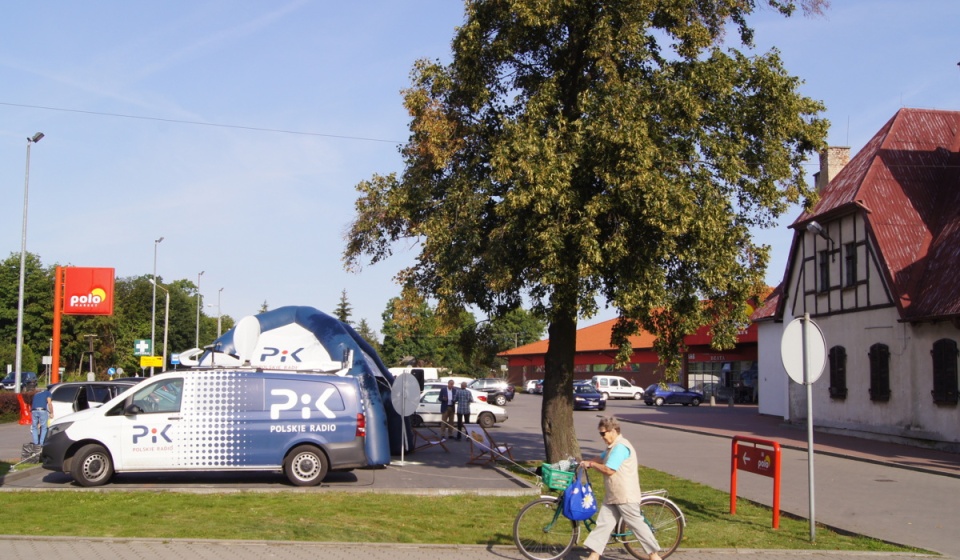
(31, 548)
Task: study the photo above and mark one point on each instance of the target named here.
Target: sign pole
(809, 386)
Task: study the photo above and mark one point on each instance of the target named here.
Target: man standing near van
(448, 399)
(464, 398)
(41, 410)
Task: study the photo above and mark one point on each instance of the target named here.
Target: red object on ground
(761, 457)
(25, 418)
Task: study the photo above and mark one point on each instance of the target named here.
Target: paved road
(895, 493)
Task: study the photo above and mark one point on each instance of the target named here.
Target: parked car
(531, 386)
(28, 380)
(478, 396)
(587, 397)
(73, 397)
(538, 389)
(671, 393)
(498, 391)
(428, 411)
(616, 387)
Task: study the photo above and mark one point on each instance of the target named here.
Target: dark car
(587, 397)
(498, 391)
(671, 393)
(28, 380)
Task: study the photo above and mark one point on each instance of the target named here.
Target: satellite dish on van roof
(245, 336)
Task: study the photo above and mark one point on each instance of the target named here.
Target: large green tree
(577, 151)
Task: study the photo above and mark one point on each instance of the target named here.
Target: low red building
(703, 367)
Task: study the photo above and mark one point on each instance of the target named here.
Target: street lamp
(166, 320)
(220, 291)
(153, 312)
(23, 262)
(197, 341)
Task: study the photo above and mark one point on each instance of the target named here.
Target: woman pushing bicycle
(621, 480)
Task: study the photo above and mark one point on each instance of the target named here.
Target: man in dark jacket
(448, 400)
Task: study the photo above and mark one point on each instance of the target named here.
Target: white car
(71, 397)
(428, 411)
(616, 387)
(478, 396)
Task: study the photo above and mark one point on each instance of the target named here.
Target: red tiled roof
(906, 180)
(595, 338)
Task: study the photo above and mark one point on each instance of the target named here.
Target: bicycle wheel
(666, 522)
(541, 532)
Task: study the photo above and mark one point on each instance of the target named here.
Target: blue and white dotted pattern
(213, 426)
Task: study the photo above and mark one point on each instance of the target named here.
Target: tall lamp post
(153, 312)
(23, 262)
(220, 291)
(197, 341)
(166, 321)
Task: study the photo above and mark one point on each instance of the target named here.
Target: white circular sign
(405, 394)
(792, 350)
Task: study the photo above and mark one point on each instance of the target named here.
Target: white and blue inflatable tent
(307, 340)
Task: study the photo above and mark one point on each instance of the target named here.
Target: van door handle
(173, 418)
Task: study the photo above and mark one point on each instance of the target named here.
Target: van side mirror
(132, 410)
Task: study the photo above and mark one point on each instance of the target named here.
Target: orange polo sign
(88, 291)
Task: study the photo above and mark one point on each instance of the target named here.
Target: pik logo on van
(269, 352)
(146, 431)
(304, 401)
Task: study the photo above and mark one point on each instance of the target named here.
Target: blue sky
(309, 92)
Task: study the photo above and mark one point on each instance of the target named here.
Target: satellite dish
(245, 337)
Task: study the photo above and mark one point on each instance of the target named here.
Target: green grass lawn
(322, 516)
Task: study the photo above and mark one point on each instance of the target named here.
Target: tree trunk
(556, 416)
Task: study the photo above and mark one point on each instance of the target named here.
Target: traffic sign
(151, 361)
(142, 347)
(405, 394)
(798, 341)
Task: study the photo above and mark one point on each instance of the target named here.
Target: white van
(302, 424)
(615, 387)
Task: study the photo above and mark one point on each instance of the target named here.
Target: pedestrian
(41, 411)
(464, 398)
(621, 482)
(448, 399)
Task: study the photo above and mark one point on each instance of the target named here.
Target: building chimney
(832, 160)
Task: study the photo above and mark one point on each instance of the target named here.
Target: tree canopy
(584, 151)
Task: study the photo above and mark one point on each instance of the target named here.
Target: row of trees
(410, 326)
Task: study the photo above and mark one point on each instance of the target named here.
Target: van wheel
(92, 466)
(305, 466)
(486, 420)
(637, 396)
(606, 396)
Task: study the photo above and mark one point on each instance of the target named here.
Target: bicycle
(541, 532)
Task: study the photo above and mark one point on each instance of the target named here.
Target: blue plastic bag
(578, 499)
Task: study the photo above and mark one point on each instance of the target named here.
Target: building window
(879, 372)
(838, 372)
(850, 264)
(944, 371)
(824, 284)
